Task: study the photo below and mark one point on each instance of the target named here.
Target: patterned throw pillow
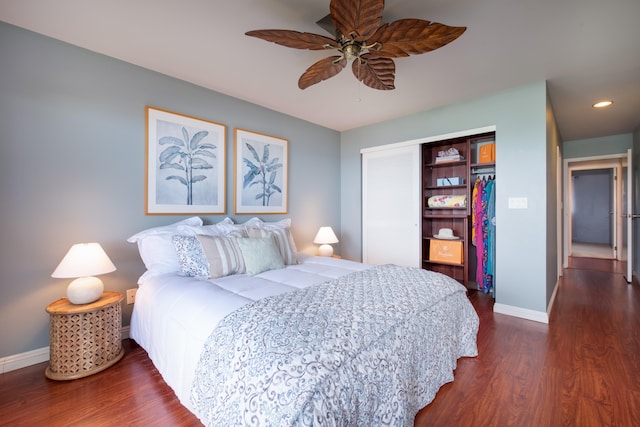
(190, 256)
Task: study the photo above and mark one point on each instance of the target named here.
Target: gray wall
(523, 165)
(72, 135)
(553, 224)
(593, 147)
(592, 200)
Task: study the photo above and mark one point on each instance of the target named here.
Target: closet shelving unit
(436, 218)
(455, 218)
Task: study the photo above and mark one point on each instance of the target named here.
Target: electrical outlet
(131, 296)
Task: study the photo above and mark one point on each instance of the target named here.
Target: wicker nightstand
(84, 339)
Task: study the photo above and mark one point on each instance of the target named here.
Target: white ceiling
(586, 49)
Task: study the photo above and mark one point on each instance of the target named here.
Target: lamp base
(84, 290)
(325, 250)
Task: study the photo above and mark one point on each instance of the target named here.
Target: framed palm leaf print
(260, 179)
(185, 164)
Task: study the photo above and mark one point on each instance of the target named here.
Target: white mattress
(173, 316)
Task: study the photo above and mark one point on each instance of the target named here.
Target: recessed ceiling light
(602, 104)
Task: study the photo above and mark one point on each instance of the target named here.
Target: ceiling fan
(361, 36)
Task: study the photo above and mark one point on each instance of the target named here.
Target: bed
(293, 339)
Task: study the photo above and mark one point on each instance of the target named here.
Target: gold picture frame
(261, 173)
(185, 164)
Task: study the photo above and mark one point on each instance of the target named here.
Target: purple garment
(477, 225)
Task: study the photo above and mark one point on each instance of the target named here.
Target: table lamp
(325, 238)
(83, 261)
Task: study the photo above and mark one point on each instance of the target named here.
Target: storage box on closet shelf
(449, 155)
(446, 182)
(487, 153)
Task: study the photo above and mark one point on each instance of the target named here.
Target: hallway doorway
(598, 229)
(592, 213)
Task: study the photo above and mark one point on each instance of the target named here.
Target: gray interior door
(593, 205)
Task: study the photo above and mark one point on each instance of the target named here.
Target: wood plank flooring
(583, 369)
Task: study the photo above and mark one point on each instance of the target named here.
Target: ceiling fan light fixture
(602, 104)
(351, 51)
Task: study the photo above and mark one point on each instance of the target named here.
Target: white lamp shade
(83, 261)
(325, 237)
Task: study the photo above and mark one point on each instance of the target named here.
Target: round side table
(84, 338)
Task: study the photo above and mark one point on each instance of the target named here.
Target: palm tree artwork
(189, 156)
(261, 173)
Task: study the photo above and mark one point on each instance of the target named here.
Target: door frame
(613, 161)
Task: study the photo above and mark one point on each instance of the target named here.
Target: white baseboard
(33, 357)
(523, 313)
(22, 360)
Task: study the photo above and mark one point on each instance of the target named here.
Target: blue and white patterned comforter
(370, 348)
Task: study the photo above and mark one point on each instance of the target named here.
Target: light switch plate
(518, 202)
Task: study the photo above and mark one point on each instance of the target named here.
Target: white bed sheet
(173, 316)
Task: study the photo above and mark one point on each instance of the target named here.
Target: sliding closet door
(391, 205)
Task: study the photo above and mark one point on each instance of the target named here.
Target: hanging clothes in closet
(483, 231)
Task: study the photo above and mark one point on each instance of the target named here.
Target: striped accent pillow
(223, 254)
(282, 239)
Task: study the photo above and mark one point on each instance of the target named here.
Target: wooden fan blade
(295, 39)
(374, 71)
(357, 19)
(412, 37)
(322, 70)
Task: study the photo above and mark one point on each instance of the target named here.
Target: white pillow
(218, 229)
(282, 238)
(155, 246)
(240, 228)
(164, 229)
(260, 254)
(223, 255)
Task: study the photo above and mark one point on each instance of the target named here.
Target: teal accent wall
(72, 135)
(524, 162)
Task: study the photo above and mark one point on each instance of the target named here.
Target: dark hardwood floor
(583, 369)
